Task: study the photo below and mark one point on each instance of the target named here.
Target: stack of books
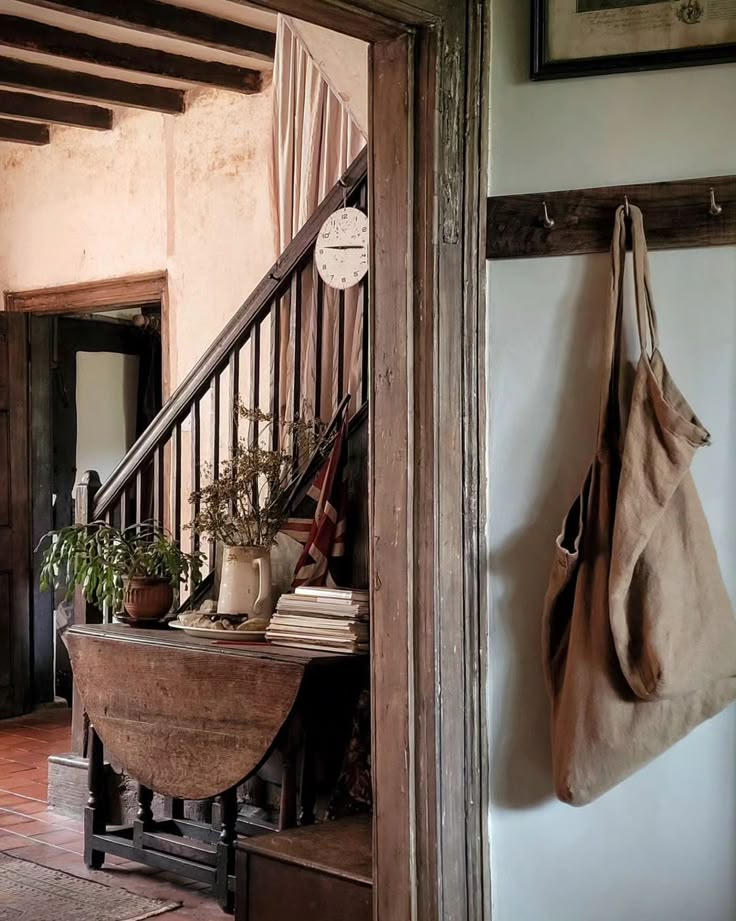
(333, 619)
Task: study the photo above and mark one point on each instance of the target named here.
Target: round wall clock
(342, 248)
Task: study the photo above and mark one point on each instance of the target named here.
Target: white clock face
(342, 248)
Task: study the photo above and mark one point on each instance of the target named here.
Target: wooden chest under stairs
(315, 873)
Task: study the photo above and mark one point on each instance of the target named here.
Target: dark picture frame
(544, 68)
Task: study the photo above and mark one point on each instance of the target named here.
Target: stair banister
(283, 277)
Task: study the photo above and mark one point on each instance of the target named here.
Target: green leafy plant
(99, 558)
(245, 502)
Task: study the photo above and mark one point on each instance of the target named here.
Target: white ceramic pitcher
(245, 584)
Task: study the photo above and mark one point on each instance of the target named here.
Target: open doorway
(97, 381)
(106, 389)
(426, 158)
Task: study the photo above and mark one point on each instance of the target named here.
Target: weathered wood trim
(90, 297)
(426, 774)
(477, 619)
(173, 21)
(43, 631)
(60, 82)
(372, 22)
(16, 697)
(108, 294)
(456, 513)
(391, 464)
(678, 217)
(29, 35)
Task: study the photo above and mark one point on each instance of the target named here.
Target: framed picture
(576, 38)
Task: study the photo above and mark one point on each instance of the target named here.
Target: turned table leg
(226, 849)
(290, 744)
(95, 819)
(144, 815)
(308, 789)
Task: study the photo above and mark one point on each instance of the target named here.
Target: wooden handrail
(274, 286)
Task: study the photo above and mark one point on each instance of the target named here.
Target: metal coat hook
(627, 206)
(344, 186)
(548, 221)
(715, 208)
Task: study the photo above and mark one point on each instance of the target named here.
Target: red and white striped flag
(323, 534)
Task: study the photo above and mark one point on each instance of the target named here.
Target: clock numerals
(342, 256)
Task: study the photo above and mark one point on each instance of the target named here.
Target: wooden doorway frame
(65, 300)
(428, 168)
(97, 296)
(428, 189)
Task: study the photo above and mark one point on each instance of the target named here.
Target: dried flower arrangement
(245, 502)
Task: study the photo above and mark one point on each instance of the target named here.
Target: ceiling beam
(23, 75)
(29, 35)
(173, 22)
(57, 111)
(23, 132)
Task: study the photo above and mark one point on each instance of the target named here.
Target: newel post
(84, 613)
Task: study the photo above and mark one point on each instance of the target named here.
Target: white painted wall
(189, 194)
(661, 847)
(107, 388)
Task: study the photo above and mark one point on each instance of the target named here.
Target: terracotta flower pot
(147, 598)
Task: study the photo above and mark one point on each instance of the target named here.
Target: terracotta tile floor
(29, 829)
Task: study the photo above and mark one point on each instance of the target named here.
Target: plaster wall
(189, 194)
(107, 388)
(661, 846)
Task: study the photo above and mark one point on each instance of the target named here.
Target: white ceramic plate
(232, 636)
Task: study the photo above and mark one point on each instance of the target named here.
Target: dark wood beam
(23, 75)
(370, 21)
(28, 35)
(23, 132)
(679, 214)
(58, 111)
(173, 22)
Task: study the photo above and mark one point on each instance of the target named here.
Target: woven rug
(29, 892)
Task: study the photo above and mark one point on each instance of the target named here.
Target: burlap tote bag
(639, 635)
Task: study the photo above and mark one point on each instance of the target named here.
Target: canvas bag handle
(645, 313)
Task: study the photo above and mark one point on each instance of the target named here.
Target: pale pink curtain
(315, 140)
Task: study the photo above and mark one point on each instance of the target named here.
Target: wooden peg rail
(677, 215)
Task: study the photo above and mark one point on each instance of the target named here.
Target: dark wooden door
(15, 549)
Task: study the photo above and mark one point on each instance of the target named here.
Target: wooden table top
(180, 640)
(186, 716)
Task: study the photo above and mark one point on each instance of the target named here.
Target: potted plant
(245, 506)
(139, 568)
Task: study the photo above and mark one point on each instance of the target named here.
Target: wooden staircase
(244, 365)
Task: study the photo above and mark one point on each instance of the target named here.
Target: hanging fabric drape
(315, 140)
